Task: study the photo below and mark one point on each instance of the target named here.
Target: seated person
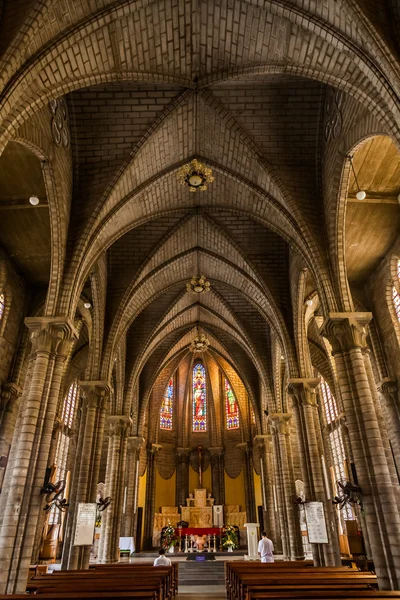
(162, 560)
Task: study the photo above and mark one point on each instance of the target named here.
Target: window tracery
(396, 295)
(338, 469)
(63, 440)
(167, 407)
(2, 305)
(199, 398)
(231, 408)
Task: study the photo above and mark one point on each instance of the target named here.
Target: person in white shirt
(162, 560)
(266, 549)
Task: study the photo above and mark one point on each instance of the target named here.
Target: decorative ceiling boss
(195, 175)
(199, 344)
(198, 284)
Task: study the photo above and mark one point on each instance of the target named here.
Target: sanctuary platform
(203, 516)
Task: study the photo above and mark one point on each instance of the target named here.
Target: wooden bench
(154, 582)
(243, 580)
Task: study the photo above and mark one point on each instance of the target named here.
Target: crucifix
(200, 453)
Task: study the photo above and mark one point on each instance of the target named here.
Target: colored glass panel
(253, 416)
(166, 407)
(396, 295)
(231, 407)
(1, 306)
(199, 398)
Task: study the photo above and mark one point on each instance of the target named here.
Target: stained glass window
(331, 411)
(252, 415)
(231, 407)
(396, 295)
(199, 398)
(1, 306)
(62, 449)
(166, 407)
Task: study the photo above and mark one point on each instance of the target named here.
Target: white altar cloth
(127, 543)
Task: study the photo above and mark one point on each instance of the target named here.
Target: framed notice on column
(85, 522)
(316, 525)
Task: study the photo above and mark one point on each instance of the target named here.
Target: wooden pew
(136, 579)
(244, 580)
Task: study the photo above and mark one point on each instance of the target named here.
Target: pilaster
(51, 340)
(304, 395)
(347, 334)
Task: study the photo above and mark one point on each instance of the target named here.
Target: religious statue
(200, 541)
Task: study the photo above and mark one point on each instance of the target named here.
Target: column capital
(10, 392)
(154, 448)
(182, 455)
(118, 424)
(280, 422)
(52, 334)
(304, 390)
(216, 450)
(95, 393)
(347, 330)
(135, 442)
(262, 439)
(244, 447)
(388, 386)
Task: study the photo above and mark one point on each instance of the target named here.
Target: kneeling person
(162, 560)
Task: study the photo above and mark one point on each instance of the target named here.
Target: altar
(203, 517)
(198, 511)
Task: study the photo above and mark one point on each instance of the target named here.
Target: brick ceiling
(149, 86)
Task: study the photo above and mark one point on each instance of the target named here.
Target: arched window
(231, 407)
(396, 295)
(2, 300)
(339, 468)
(166, 407)
(199, 398)
(67, 421)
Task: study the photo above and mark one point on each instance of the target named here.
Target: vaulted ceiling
(271, 98)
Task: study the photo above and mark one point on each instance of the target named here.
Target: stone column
(347, 333)
(306, 410)
(280, 425)
(248, 482)
(132, 483)
(21, 502)
(95, 395)
(388, 387)
(150, 495)
(9, 405)
(182, 475)
(111, 521)
(267, 477)
(217, 474)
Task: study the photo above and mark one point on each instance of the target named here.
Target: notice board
(85, 522)
(316, 525)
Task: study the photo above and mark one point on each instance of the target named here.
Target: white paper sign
(316, 526)
(85, 522)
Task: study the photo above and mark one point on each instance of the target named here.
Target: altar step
(198, 573)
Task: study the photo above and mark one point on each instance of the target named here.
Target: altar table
(127, 543)
(198, 531)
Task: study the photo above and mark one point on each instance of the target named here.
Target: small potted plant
(169, 538)
(229, 538)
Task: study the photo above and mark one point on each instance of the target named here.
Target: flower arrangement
(168, 537)
(229, 538)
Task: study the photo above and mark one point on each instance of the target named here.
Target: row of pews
(138, 582)
(294, 580)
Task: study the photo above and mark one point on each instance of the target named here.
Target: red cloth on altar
(198, 531)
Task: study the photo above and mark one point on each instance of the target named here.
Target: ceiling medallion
(199, 344)
(198, 285)
(195, 175)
